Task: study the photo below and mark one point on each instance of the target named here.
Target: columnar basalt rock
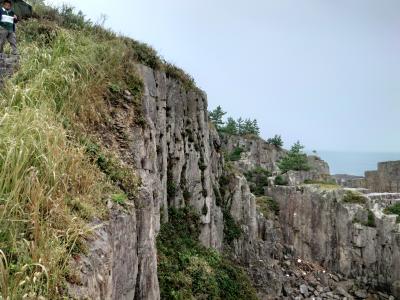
(178, 155)
(321, 227)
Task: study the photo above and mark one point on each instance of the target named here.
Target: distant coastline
(355, 163)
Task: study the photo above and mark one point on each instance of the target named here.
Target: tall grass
(50, 189)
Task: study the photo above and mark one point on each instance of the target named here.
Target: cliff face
(179, 157)
(321, 227)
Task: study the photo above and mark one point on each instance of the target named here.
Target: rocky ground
(307, 280)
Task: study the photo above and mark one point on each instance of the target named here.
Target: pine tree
(216, 116)
(295, 159)
(276, 141)
(231, 127)
(240, 126)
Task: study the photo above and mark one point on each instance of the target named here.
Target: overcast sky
(323, 71)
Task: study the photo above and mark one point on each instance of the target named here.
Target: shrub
(232, 230)
(280, 180)
(354, 197)
(394, 209)
(236, 153)
(267, 205)
(258, 179)
(294, 160)
(187, 270)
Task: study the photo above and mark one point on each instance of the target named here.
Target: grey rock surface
(304, 252)
(385, 179)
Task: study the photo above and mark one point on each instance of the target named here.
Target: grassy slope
(53, 178)
(50, 184)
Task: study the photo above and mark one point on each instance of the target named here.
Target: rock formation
(289, 253)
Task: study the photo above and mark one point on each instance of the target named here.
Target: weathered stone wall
(257, 152)
(385, 179)
(320, 227)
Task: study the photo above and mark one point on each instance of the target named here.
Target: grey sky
(323, 71)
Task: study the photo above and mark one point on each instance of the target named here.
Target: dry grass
(50, 188)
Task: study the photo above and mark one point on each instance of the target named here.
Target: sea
(355, 163)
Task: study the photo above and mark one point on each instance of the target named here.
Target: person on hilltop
(7, 27)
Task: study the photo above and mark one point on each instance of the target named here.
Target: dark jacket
(11, 14)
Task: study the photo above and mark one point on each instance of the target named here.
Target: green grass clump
(187, 270)
(394, 210)
(354, 197)
(119, 198)
(267, 205)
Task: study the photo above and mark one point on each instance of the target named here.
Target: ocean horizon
(355, 163)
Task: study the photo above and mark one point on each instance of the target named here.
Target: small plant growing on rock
(280, 180)
(258, 179)
(119, 198)
(267, 205)
(354, 197)
(371, 219)
(235, 155)
(394, 209)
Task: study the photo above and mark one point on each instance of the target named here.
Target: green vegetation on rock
(394, 209)
(258, 180)
(52, 185)
(276, 141)
(243, 127)
(280, 180)
(354, 197)
(235, 154)
(187, 270)
(295, 160)
(370, 222)
(267, 206)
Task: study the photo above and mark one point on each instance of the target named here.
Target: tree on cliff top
(276, 141)
(233, 127)
(295, 159)
(216, 116)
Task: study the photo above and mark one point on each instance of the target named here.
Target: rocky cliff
(179, 157)
(354, 238)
